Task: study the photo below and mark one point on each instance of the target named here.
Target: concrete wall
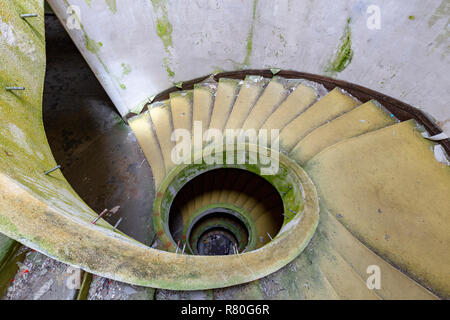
(139, 48)
(24, 150)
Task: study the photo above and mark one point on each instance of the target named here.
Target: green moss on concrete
(164, 31)
(126, 69)
(112, 5)
(344, 55)
(91, 45)
(249, 42)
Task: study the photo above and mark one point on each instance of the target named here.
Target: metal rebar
(51, 170)
(117, 223)
(285, 192)
(269, 236)
(14, 88)
(28, 15)
(184, 247)
(99, 216)
(178, 246)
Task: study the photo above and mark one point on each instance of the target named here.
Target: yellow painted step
(162, 123)
(297, 102)
(348, 284)
(394, 283)
(276, 91)
(181, 106)
(334, 104)
(203, 103)
(142, 127)
(227, 92)
(249, 93)
(393, 195)
(368, 117)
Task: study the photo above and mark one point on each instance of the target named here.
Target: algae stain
(164, 31)
(344, 54)
(412, 18)
(126, 69)
(249, 46)
(112, 5)
(88, 2)
(91, 45)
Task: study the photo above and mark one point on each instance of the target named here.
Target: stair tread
(226, 94)
(332, 105)
(249, 93)
(181, 107)
(297, 102)
(203, 102)
(162, 121)
(143, 129)
(276, 91)
(387, 186)
(368, 117)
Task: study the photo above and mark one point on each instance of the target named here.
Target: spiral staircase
(359, 186)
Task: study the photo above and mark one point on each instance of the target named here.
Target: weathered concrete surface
(106, 289)
(42, 278)
(392, 194)
(407, 57)
(183, 295)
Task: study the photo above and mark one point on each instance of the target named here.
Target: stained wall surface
(139, 48)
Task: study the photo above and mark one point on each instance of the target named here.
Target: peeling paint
(91, 45)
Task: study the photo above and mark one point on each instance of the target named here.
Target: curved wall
(139, 48)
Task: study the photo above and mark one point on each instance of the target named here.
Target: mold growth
(344, 54)
(164, 31)
(91, 45)
(249, 45)
(112, 5)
